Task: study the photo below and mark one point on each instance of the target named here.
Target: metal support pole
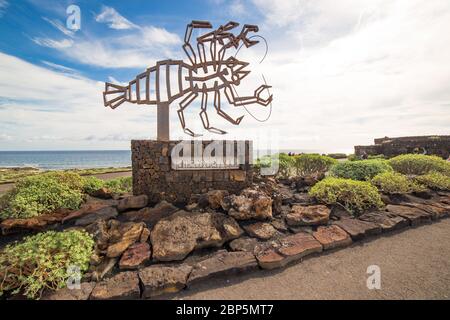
(163, 122)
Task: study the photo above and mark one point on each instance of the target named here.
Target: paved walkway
(415, 264)
(105, 176)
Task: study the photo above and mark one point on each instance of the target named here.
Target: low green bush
(435, 181)
(395, 183)
(43, 261)
(92, 184)
(419, 164)
(337, 155)
(355, 196)
(378, 156)
(119, 185)
(42, 193)
(308, 164)
(360, 170)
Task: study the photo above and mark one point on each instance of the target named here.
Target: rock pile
(144, 251)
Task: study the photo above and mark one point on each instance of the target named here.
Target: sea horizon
(82, 159)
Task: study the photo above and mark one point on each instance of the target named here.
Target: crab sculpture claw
(258, 92)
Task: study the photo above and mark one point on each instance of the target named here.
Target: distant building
(390, 147)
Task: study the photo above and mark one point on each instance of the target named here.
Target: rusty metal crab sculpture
(206, 74)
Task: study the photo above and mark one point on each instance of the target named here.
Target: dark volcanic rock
(151, 215)
(135, 256)
(387, 221)
(175, 237)
(71, 294)
(105, 213)
(223, 263)
(287, 249)
(123, 286)
(332, 237)
(437, 210)
(358, 229)
(414, 215)
(244, 244)
(260, 230)
(132, 202)
(160, 279)
(308, 215)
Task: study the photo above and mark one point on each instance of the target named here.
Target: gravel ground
(414, 263)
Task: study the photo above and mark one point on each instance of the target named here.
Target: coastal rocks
(437, 210)
(102, 193)
(288, 249)
(251, 204)
(81, 293)
(387, 221)
(332, 237)
(414, 215)
(135, 256)
(103, 269)
(308, 215)
(159, 279)
(86, 209)
(36, 223)
(151, 215)
(132, 202)
(223, 263)
(105, 213)
(215, 198)
(261, 230)
(60, 216)
(173, 238)
(123, 286)
(123, 237)
(244, 244)
(358, 229)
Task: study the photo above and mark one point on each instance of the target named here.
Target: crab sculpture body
(208, 74)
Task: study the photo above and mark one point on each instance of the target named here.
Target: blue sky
(341, 75)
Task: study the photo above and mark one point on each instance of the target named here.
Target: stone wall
(154, 176)
(390, 147)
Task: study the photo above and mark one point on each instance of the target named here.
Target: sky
(342, 73)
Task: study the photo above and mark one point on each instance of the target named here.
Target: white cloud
(54, 44)
(58, 25)
(382, 70)
(3, 6)
(139, 48)
(41, 105)
(114, 19)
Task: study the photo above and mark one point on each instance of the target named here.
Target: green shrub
(92, 184)
(435, 181)
(378, 156)
(352, 157)
(285, 165)
(42, 261)
(355, 196)
(395, 183)
(419, 164)
(308, 164)
(43, 193)
(360, 170)
(337, 155)
(120, 185)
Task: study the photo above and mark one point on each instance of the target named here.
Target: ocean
(49, 160)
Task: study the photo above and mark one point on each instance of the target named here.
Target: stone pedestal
(155, 175)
